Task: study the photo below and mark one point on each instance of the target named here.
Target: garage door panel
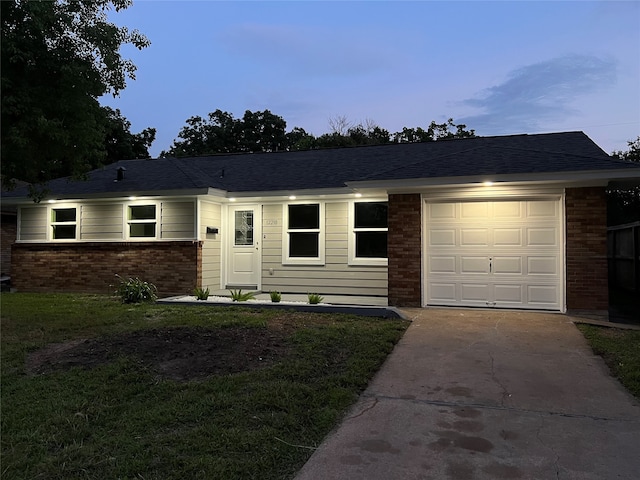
(442, 211)
(493, 253)
(443, 292)
(474, 210)
(542, 295)
(539, 236)
(508, 265)
(474, 265)
(476, 237)
(507, 210)
(442, 264)
(474, 292)
(542, 209)
(507, 237)
(542, 265)
(442, 238)
(512, 294)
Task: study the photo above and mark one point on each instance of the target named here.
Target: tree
(221, 133)
(120, 143)
(435, 131)
(623, 205)
(58, 58)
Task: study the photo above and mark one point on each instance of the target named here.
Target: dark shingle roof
(518, 155)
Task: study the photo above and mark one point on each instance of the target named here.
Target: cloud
(309, 50)
(537, 94)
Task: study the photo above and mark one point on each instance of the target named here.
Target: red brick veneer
(586, 249)
(174, 267)
(404, 247)
(8, 230)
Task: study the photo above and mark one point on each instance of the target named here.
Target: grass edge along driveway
(123, 419)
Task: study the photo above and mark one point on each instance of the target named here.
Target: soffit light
(292, 197)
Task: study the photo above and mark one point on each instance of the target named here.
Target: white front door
(244, 263)
(494, 254)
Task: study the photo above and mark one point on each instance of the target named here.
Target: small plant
(314, 298)
(275, 297)
(238, 296)
(134, 290)
(201, 294)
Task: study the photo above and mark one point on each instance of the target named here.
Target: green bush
(201, 294)
(134, 290)
(275, 297)
(238, 296)
(314, 298)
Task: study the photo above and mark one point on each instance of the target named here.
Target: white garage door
(497, 254)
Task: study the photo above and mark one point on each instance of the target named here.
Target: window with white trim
(64, 223)
(304, 233)
(142, 221)
(369, 229)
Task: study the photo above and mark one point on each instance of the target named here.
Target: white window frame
(128, 222)
(320, 259)
(52, 224)
(364, 261)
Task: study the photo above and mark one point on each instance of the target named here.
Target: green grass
(620, 349)
(120, 421)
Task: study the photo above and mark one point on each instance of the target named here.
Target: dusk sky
(503, 67)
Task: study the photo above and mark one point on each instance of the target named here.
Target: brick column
(586, 249)
(404, 250)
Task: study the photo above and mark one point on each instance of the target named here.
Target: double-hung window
(64, 223)
(142, 221)
(369, 227)
(304, 234)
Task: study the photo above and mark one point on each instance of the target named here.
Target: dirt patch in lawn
(177, 353)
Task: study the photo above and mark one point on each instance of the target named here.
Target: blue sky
(502, 67)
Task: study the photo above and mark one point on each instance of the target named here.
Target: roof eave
(574, 178)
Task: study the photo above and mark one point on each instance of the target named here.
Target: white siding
(335, 277)
(177, 220)
(101, 222)
(210, 216)
(33, 223)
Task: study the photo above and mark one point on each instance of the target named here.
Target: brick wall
(174, 267)
(586, 249)
(404, 247)
(8, 236)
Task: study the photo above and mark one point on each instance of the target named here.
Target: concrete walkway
(478, 395)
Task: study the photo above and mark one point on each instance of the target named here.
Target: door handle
(490, 264)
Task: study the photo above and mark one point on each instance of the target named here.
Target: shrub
(134, 290)
(238, 296)
(275, 297)
(314, 298)
(201, 294)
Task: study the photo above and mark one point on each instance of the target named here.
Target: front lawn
(92, 388)
(620, 349)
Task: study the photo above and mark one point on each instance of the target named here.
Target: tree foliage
(220, 132)
(120, 143)
(58, 58)
(624, 203)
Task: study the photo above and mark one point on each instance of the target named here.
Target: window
(368, 245)
(63, 223)
(142, 221)
(305, 243)
(244, 227)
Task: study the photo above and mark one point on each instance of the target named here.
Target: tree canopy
(58, 58)
(263, 131)
(624, 203)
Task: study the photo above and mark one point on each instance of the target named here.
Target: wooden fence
(623, 253)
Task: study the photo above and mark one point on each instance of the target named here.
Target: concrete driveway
(486, 395)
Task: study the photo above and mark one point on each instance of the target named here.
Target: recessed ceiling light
(292, 197)
(487, 184)
(358, 195)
